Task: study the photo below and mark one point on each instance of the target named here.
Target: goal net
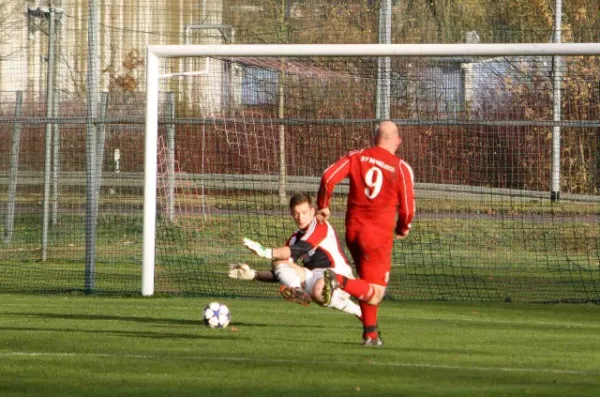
(507, 166)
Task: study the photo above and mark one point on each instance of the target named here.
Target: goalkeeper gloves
(241, 271)
(258, 248)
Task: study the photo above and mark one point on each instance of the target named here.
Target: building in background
(125, 28)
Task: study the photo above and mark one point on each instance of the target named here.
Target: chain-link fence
(72, 82)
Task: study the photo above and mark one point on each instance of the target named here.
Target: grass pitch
(59, 345)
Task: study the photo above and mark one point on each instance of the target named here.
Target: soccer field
(59, 345)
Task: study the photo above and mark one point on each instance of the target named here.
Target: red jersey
(381, 186)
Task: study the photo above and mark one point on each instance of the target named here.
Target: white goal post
(156, 52)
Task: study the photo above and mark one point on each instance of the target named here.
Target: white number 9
(374, 180)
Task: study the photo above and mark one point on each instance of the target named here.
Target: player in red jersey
(380, 204)
(316, 244)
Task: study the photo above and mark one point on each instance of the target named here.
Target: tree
(306, 21)
(12, 20)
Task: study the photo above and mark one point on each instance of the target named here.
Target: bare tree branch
(12, 19)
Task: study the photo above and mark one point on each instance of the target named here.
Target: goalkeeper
(316, 244)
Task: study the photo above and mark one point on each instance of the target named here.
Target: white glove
(258, 248)
(241, 271)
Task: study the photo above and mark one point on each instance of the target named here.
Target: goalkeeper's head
(302, 209)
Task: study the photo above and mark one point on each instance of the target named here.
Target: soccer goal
(503, 140)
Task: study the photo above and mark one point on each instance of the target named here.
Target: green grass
(59, 345)
(446, 258)
(464, 247)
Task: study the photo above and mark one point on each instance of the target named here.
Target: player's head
(302, 209)
(387, 136)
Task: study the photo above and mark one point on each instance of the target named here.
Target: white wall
(125, 26)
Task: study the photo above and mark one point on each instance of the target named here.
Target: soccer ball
(216, 315)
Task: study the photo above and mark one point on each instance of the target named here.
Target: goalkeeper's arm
(295, 251)
(266, 276)
(281, 253)
(242, 271)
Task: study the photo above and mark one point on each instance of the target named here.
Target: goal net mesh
(246, 132)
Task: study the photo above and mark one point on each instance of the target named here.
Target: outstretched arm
(293, 252)
(283, 253)
(331, 177)
(242, 271)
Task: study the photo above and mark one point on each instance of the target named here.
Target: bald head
(387, 136)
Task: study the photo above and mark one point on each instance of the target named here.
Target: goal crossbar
(374, 50)
(155, 52)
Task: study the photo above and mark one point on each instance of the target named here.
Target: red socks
(363, 291)
(369, 320)
(360, 289)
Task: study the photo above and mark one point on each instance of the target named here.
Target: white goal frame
(156, 52)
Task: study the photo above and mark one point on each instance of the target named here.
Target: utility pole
(92, 189)
(556, 99)
(384, 64)
(51, 16)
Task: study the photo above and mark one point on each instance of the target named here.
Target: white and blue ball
(216, 315)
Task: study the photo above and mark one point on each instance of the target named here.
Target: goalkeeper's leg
(341, 301)
(288, 273)
(291, 276)
(297, 295)
(338, 300)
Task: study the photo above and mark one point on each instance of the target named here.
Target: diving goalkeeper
(316, 244)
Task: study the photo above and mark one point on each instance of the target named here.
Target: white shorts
(311, 276)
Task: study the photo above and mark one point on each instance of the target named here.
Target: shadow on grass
(103, 317)
(144, 320)
(135, 334)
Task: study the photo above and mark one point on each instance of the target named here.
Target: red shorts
(371, 247)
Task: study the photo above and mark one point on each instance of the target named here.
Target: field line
(291, 361)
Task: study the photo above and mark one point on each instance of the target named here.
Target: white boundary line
(288, 361)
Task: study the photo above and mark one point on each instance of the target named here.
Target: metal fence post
(91, 214)
(9, 220)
